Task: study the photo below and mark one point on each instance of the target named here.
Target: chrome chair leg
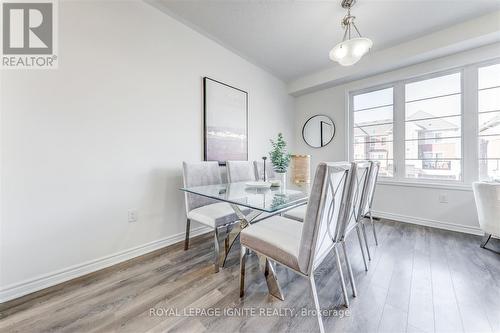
(373, 228)
(243, 254)
(349, 270)
(316, 302)
(272, 280)
(363, 230)
(342, 280)
(226, 242)
(186, 241)
(361, 247)
(485, 240)
(216, 250)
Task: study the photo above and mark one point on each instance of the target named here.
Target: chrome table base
(234, 232)
(266, 266)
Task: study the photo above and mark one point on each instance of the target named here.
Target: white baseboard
(48, 280)
(429, 223)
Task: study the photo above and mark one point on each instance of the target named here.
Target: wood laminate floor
(419, 280)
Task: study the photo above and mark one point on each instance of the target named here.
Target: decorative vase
(282, 179)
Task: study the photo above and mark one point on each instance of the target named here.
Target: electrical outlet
(443, 198)
(132, 215)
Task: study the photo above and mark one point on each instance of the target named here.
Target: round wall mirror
(318, 131)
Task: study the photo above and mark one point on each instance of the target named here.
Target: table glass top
(268, 200)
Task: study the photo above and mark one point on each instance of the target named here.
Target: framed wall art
(225, 120)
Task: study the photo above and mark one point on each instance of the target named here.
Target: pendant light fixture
(352, 48)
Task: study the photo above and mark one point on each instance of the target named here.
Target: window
(433, 126)
(373, 128)
(441, 129)
(488, 107)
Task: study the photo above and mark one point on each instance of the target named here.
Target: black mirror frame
(322, 145)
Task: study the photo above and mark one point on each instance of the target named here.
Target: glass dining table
(251, 205)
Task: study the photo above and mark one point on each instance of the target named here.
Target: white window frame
(469, 121)
(350, 121)
(475, 85)
(462, 164)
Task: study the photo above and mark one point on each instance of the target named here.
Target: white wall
(404, 203)
(107, 132)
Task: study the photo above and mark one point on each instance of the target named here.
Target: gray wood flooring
(419, 280)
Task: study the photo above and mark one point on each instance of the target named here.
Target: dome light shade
(351, 49)
(349, 52)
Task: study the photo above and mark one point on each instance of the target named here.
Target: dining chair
(204, 210)
(370, 193)
(360, 179)
(239, 171)
(259, 170)
(302, 247)
(359, 199)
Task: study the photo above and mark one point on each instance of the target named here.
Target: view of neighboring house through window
(373, 128)
(433, 118)
(489, 121)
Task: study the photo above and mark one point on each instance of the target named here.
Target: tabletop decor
(264, 158)
(225, 120)
(258, 184)
(280, 158)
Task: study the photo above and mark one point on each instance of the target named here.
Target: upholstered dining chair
(239, 171)
(359, 198)
(370, 193)
(204, 210)
(302, 247)
(259, 170)
(487, 196)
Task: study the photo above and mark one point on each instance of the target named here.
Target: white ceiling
(293, 38)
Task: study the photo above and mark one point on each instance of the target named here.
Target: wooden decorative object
(301, 169)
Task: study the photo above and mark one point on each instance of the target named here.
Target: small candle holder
(264, 158)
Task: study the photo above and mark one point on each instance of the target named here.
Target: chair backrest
(359, 195)
(199, 174)
(370, 190)
(487, 196)
(326, 210)
(259, 170)
(239, 171)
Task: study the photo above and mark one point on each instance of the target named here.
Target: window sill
(452, 186)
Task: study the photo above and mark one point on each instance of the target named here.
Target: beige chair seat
(276, 237)
(297, 214)
(215, 214)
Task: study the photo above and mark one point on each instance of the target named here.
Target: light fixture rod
(355, 27)
(345, 35)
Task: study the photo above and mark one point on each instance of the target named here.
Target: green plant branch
(279, 156)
